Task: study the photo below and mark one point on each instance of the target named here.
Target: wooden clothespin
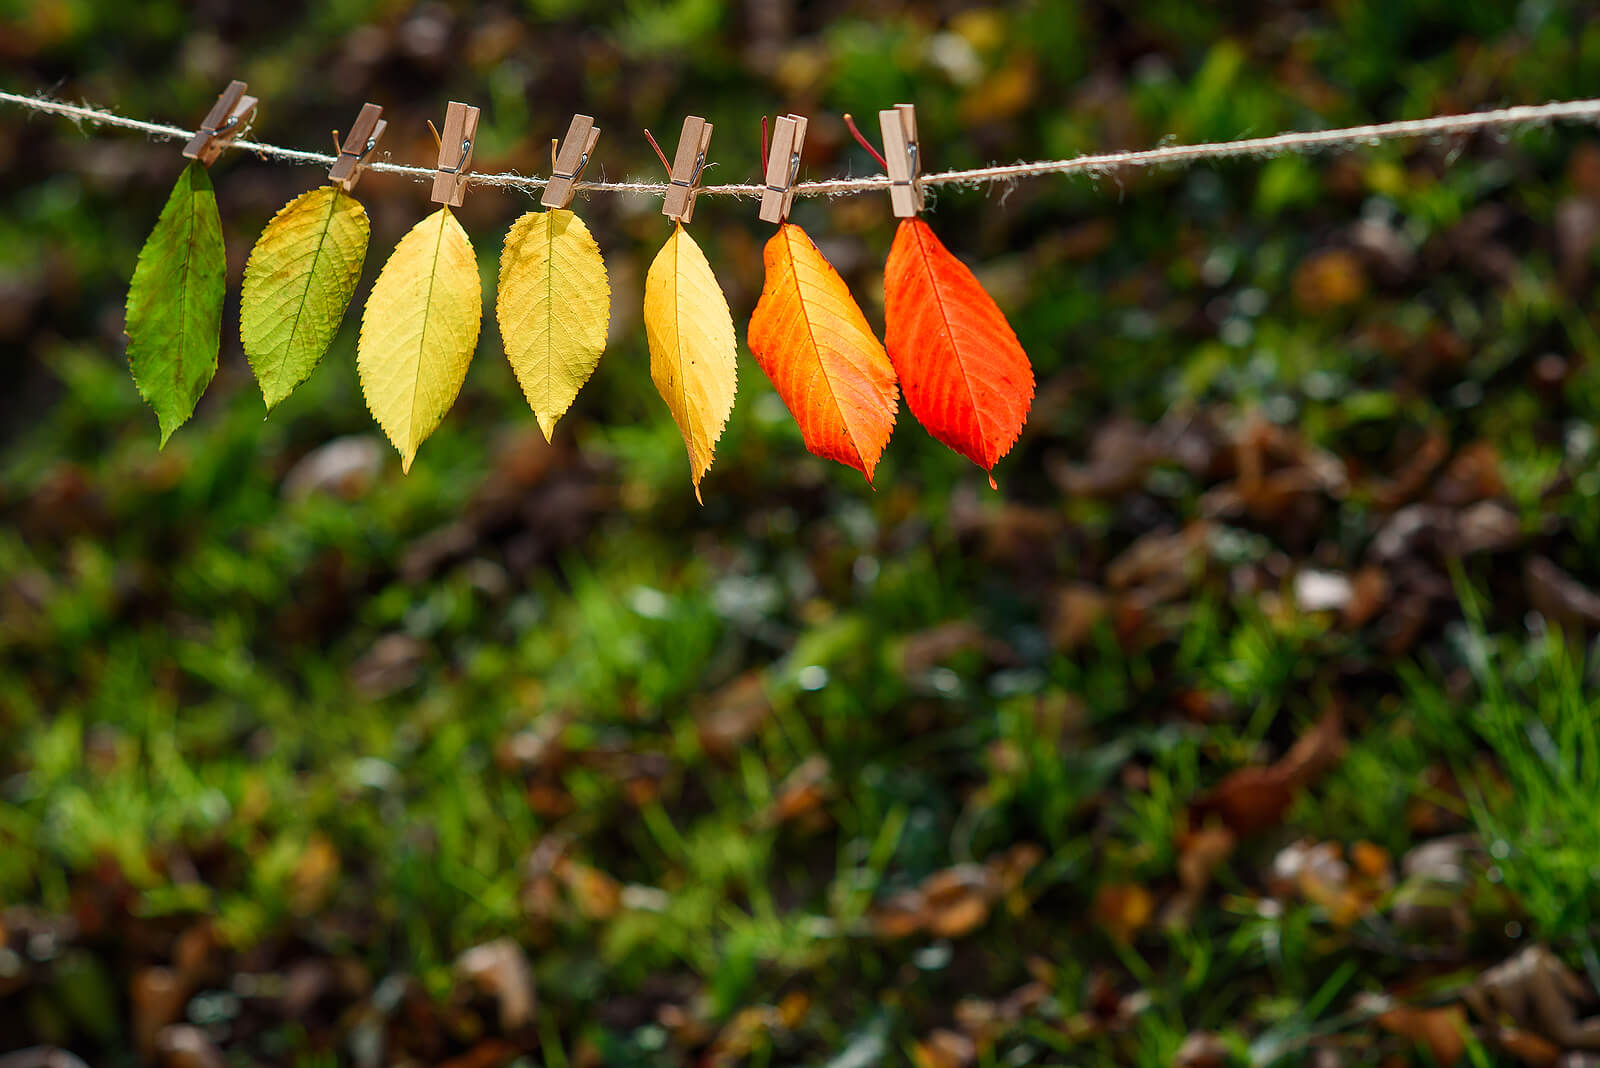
(901, 156)
(227, 117)
(363, 138)
(783, 166)
(455, 153)
(573, 157)
(686, 167)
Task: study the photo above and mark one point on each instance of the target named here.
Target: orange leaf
(964, 374)
(811, 339)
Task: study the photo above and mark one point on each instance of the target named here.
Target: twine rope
(1098, 164)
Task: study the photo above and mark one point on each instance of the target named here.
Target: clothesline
(1100, 163)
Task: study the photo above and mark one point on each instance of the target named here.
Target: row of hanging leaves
(949, 348)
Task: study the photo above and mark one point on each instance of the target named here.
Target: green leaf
(175, 302)
(298, 284)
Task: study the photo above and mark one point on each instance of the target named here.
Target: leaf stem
(659, 154)
(850, 122)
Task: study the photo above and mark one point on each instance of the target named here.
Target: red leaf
(964, 375)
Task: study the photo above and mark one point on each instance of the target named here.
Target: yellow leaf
(692, 350)
(419, 330)
(554, 305)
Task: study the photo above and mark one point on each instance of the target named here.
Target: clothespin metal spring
(358, 145)
(222, 124)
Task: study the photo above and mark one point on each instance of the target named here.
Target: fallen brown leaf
(1162, 566)
(1079, 609)
(1201, 851)
(956, 900)
(793, 1008)
(41, 1057)
(597, 895)
(1327, 280)
(1442, 1031)
(1487, 527)
(1369, 592)
(393, 663)
(314, 875)
(1559, 597)
(157, 995)
(1472, 475)
(536, 749)
(1372, 861)
(739, 1037)
(1118, 460)
(802, 792)
(1433, 895)
(1413, 474)
(944, 1049)
(1201, 1049)
(899, 916)
(927, 649)
(1255, 798)
(186, 1046)
(1007, 870)
(1123, 909)
(733, 715)
(1527, 1047)
(1536, 992)
(1317, 873)
(500, 970)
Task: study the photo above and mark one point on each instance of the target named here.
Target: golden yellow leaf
(554, 305)
(419, 330)
(692, 350)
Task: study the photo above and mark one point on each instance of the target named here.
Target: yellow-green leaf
(297, 285)
(554, 305)
(692, 349)
(419, 330)
(175, 302)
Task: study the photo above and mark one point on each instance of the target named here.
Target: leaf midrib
(183, 284)
(422, 334)
(677, 341)
(938, 300)
(549, 302)
(300, 307)
(787, 231)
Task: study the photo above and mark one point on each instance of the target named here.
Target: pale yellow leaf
(419, 330)
(692, 348)
(554, 305)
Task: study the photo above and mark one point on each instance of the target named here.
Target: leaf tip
(992, 483)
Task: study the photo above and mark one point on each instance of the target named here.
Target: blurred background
(1249, 722)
